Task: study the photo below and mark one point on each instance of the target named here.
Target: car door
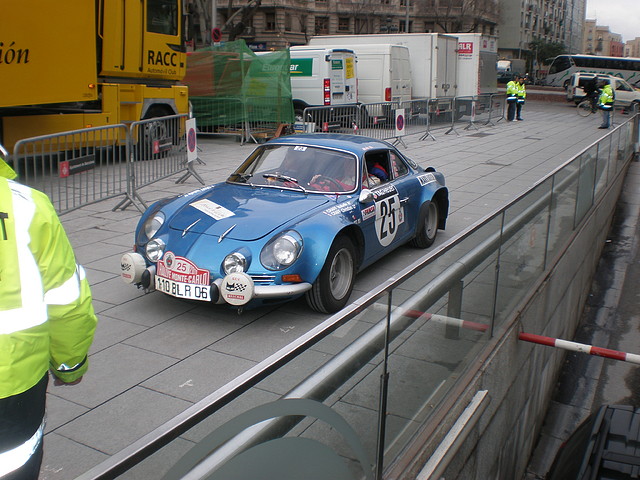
(623, 92)
(384, 219)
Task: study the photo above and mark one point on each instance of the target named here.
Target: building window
(270, 21)
(343, 24)
(322, 25)
(287, 23)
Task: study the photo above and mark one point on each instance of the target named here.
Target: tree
(235, 26)
(541, 50)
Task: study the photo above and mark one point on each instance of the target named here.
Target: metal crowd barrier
(419, 116)
(219, 116)
(75, 168)
(251, 118)
(86, 166)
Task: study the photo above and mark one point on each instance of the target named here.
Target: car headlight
(281, 251)
(234, 263)
(153, 224)
(155, 249)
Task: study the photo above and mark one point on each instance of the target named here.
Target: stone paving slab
(143, 353)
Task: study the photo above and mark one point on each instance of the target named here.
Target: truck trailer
(477, 60)
(90, 63)
(433, 58)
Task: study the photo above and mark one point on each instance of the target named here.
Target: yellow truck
(87, 63)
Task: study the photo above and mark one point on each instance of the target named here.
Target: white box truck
(477, 64)
(433, 58)
(322, 76)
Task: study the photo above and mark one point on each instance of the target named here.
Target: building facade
(598, 40)
(632, 48)
(553, 21)
(277, 24)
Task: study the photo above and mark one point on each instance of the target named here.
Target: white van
(384, 72)
(322, 76)
(624, 93)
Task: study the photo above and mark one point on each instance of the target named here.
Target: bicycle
(586, 108)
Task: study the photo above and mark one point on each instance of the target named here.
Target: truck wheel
(331, 290)
(427, 226)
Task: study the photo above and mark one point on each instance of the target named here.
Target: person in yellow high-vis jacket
(521, 93)
(47, 320)
(512, 99)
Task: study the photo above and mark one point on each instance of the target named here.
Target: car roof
(356, 144)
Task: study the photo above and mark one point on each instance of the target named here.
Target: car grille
(263, 279)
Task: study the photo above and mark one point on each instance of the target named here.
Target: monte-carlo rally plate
(181, 278)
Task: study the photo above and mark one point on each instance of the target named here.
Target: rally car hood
(242, 212)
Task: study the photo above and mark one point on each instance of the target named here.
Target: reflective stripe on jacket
(46, 316)
(512, 90)
(521, 92)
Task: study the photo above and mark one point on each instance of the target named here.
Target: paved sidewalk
(154, 356)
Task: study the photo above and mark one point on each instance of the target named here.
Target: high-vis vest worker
(512, 91)
(47, 320)
(521, 92)
(606, 98)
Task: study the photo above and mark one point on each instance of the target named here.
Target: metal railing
(75, 168)
(82, 167)
(383, 365)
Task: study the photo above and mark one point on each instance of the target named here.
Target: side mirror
(366, 196)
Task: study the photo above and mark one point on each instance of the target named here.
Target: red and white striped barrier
(580, 347)
(526, 337)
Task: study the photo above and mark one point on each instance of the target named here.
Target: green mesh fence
(229, 85)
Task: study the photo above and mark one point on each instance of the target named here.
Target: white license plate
(183, 290)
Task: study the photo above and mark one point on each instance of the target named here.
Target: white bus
(563, 66)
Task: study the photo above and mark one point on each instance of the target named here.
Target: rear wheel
(331, 290)
(427, 226)
(584, 108)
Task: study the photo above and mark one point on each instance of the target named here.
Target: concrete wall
(520, 377)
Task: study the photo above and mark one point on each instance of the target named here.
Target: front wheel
(427, 226)
(585, 108)
(331, 290)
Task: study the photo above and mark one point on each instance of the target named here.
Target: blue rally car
(300, 216)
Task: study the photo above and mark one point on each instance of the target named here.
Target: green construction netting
(229, 84)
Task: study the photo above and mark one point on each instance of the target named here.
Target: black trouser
(20, 417)
(511, 109)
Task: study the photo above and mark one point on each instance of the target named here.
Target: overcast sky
(621, 16)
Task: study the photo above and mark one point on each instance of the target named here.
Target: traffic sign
(216, 34)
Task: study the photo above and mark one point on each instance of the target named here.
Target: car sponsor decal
(344, 207)
(426, 178)
(389, 214)
(180, 269)
(212, 209)
(369, 212)
(237, 288)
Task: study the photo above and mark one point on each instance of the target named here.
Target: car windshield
(299, 167)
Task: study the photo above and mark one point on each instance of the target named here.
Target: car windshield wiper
(284, 178)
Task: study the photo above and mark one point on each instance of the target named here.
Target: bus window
(162, 17)
(560, 64)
